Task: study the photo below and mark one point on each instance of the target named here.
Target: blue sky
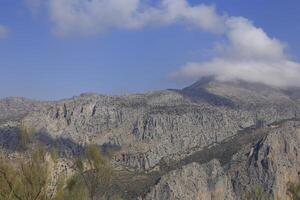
(38, 63)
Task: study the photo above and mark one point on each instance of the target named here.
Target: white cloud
(96, 16)
(249, 42)
(248, 54)
(281, 73)
(201, 16)
(4, 31)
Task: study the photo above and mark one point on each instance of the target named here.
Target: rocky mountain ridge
(148, 127)
(267, 165)
(184, 134)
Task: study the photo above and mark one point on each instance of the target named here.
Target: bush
(29, 178)
(94, 173)
(256, 193)
(25, 179)
(293, 191)
(25, 136)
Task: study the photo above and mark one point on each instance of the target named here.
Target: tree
(28, 178)
(25, 178)
(94, 172)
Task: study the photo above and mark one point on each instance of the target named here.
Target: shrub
(94, 173)
(29, 178)
(25, 179)
(256, 193)
(25, 136)
(293, 191)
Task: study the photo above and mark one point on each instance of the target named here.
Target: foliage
(25, 179)
(256, 193)
(25, 136)
(94, 173)
(29, 178)
(74, 190)
(293, 191)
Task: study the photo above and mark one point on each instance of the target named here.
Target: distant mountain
(16, 107)
(171, 129)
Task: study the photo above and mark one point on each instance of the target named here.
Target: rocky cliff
(148, 127)
(211, 140)
(259, 170)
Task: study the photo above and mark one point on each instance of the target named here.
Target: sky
(54, 49)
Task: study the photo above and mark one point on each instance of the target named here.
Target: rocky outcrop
(151, 126)
(258, 171)
(211, 140)
(194, 182)
(154, 125)
(9, 136)
(270, 163)
(16, 108)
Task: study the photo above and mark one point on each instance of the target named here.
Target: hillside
(210, 140)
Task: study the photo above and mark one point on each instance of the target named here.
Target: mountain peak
(210, 81)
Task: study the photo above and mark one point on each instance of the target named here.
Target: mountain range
(210, 140)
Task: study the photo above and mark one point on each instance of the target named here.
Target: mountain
(16, 107)
(213, 140)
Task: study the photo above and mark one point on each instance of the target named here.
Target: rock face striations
(175, 126)
(260, 170)
(148, 127)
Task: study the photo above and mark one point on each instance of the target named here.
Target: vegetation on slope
(28, 176)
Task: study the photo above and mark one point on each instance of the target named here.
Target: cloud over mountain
(248, 53)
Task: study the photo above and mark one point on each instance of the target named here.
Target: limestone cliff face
(154, 125)
(165, 122)
(211, 140)
(266, 166)
(274, 163)
(15, 108)
(194, 182)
